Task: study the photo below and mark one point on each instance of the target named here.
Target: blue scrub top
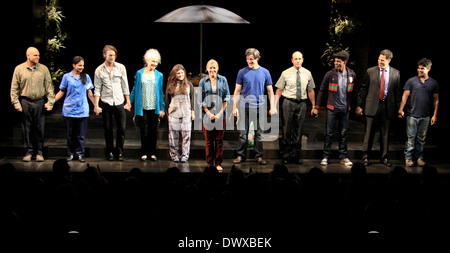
(76, 103)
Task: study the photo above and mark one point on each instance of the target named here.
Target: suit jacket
(369, 91)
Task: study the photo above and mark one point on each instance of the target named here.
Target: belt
(31, 99)
(295, 100)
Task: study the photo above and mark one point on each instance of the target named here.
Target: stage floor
(197, 166)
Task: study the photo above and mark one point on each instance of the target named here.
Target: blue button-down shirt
(76, 103)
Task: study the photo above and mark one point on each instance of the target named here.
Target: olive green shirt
(31, 82)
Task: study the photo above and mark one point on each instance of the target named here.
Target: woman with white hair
(148, 99)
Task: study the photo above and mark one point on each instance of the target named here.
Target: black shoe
(284, 161)
(110, 157)
(386, 162)
(81, 159)
(120, 157)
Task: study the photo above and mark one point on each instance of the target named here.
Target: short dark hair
(424, 62)
(343, 55)
(386, 52)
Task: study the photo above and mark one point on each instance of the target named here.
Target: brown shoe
(261, 161)
(26, 158)
(238, 159)
(39, 158)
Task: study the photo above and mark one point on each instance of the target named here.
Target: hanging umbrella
(202, 14)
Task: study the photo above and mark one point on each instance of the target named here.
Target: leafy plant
(339, 25)
(55, 37)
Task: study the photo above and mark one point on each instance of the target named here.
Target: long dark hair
(75, 61)
(172, 80)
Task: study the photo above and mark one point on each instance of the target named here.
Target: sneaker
(144, 157)
(346, 161)
(421, 162)
(110, 157)
(409, 162)
(324, 162)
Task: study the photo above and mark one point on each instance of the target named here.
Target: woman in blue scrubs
(77, 86)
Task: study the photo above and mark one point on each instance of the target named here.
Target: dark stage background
(277, 28)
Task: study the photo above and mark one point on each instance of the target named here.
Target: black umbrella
(202, 14)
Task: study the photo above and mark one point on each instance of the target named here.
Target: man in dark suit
(380, 95)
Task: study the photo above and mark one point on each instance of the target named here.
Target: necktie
(382, 87)
(299, 87)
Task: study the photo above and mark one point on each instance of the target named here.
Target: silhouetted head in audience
(429, 175)
(210, 172)
(236, 176)
(93, 175)
(61, 169)
(279, 171)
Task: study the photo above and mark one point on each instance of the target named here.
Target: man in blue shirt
(421, 97)
(250, 84)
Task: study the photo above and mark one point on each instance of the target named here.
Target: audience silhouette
(157, 208)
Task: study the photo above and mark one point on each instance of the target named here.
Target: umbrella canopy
(202, 14)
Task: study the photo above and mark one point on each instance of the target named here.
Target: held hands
(127, 107)
(315, 112)
(48, 106)
(359, 111)
(273, 111)
(213, 117)
(235, 112)
(97, 110)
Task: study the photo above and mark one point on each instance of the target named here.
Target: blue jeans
(257, 115)
(416, 132)
(337, 118)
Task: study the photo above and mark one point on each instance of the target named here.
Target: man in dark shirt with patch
(421, 97)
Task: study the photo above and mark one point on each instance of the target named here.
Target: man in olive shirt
(31, 82)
